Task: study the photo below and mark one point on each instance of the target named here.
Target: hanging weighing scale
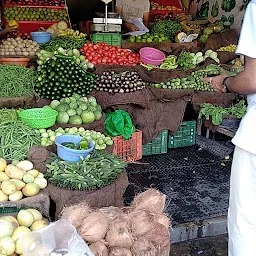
(108, 22)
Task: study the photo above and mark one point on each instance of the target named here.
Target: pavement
(210, 246)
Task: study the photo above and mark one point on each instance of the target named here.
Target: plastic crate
(157, 146)
(108, 38)
(129, 150)
(185, 136)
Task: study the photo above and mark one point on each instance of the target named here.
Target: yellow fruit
(13, 24)
(25, 218)
(3, 164)
(17, 183)
(3, 196)
(38, 224)
(18, 232)
(36, 214)
(31, 189)
(8, 188)
(3, 176)
(16, 196)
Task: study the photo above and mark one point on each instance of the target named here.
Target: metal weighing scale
(110, 22)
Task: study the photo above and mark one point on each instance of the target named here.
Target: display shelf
(36, 6)
(29, 26)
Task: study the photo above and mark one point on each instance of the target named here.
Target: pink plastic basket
(151, 56)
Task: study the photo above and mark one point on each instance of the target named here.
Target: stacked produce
(229, 48)
(77, 110)
(99, 170)
(80, 60)
(161, 7)
(119, 83)
(16, 139)
(12, 229)
(34, 14)
(16, 34)
(194, 81)
(148, 38)
(142, 229)
(16, 81)
(215, 113)
(37, 2)
(98, 139)
(63, 42)
(18, 180)
(19, 47)
(216, 27)
(180, 17)
(62, 29)
(166, 27)
(60, 77)
(102, 53)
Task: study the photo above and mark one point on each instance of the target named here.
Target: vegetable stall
(74, 113)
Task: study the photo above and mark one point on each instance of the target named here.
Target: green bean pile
(16, 81)
(16, 139)
(64, 42)
(8, 114)
(100, 169)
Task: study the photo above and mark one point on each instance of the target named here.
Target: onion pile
(140, 230)
(19, 47)
(119, 83)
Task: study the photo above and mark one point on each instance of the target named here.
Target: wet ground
(211, 246)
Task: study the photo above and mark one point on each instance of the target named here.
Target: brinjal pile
(125, 82)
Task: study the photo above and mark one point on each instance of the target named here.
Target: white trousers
(242, 204)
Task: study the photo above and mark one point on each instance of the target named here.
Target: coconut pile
(140, 230)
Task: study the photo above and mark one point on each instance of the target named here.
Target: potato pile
(12, 47)
(142, 229)
(11, 230)
(19, 180)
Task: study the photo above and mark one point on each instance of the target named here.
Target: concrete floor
(211, 246)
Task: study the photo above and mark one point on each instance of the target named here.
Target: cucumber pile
(60, 77)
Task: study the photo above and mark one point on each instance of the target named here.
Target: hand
(131, 27)
(216, 82)
(9, 29)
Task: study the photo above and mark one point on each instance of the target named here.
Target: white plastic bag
(59, 237)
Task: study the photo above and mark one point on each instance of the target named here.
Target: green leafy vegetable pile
(8, 115)
(215, 113)
(16, 81)
(97, 171)
(166, 27)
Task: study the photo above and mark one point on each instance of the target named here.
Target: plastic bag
(59, 237)
(119, 123)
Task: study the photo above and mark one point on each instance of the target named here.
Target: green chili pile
(64, 42)
(16, 139)
(16, 81)
(100, 169)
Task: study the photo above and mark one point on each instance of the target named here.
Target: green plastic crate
(108, 38)
(185, 136)
(157, 146)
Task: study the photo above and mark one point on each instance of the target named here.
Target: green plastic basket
(108, 38)
(185, 136)
(39, 118)
(156, 146)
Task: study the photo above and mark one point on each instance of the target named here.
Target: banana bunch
(71, 33)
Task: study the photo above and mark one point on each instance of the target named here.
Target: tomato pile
(102, 53)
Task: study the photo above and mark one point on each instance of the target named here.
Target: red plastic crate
(129, 150)
(175, 3)
(31, 26)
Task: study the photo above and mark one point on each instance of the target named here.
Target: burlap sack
(111, 195)
(178, 48)
(226, 57)
(164, 46)
(41, 202)
(224, 38)
(220, 99)
(17, 102)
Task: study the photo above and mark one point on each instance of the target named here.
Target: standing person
(242, 203)
(131, 9)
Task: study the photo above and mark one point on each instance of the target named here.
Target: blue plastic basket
(68, 154)
(41, 37)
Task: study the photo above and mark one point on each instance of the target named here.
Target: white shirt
(245, 137)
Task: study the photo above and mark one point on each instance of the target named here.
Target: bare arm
(146, 18)
(245, 82)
